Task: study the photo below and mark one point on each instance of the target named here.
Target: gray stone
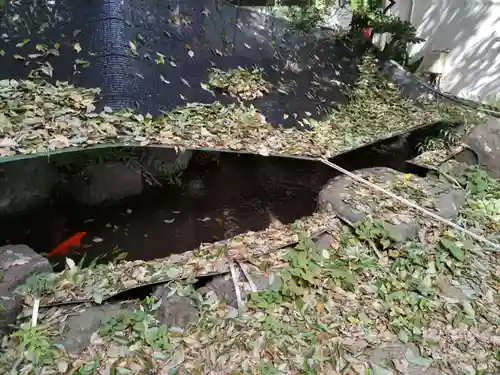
(109, 181)
(79, 327)
(340, 197)
(467, 157)
(484, 141)
(196, 188)
(175, 310)
(324, 241)
(17, 263)
(162, 162)
(25, 184)
(333, 196)
(454, 168)
(10, 307)
(223, 287)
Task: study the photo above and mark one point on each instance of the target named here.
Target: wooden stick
(234, 276)
(34, 314)
(413, 205)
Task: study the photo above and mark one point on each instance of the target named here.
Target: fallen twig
(150, 284)
(447, 176)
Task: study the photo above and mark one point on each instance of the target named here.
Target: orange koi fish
(72, 242)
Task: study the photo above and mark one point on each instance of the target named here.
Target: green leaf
(98, 297)
(385, 242)
(393, 232)
(403, 336)
(83, 63)
(455, 250)
(396, 295)
(340, 273)
(160, 58)
(378, 370)
(123, 370)
(416, 359)
(469, 310)
(172, 272)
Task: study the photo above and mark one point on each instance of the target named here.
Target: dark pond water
(239, 193)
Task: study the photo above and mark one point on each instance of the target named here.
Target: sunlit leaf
(160, 59)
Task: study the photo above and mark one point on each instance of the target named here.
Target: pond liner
(103, 30)
(136, 52)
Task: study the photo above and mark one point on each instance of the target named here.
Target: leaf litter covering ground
(240, 83)
(327, 310)
(104, 280)
(441, 148)
(38, 117)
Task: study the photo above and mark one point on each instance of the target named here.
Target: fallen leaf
(416, 359)
(164, 80)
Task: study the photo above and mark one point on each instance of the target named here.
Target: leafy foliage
(34, 345)
(378, 230)
(401, 32)
(135, 327)
(305, 18)
(241, 83)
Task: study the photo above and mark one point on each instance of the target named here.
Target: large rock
(354, 202)
(17, 263)
(83, 323)
(175, 310)
(108, 181)
(484, 141)
(25, 184)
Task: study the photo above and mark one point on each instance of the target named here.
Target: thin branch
(447, 176)
(407, 202)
